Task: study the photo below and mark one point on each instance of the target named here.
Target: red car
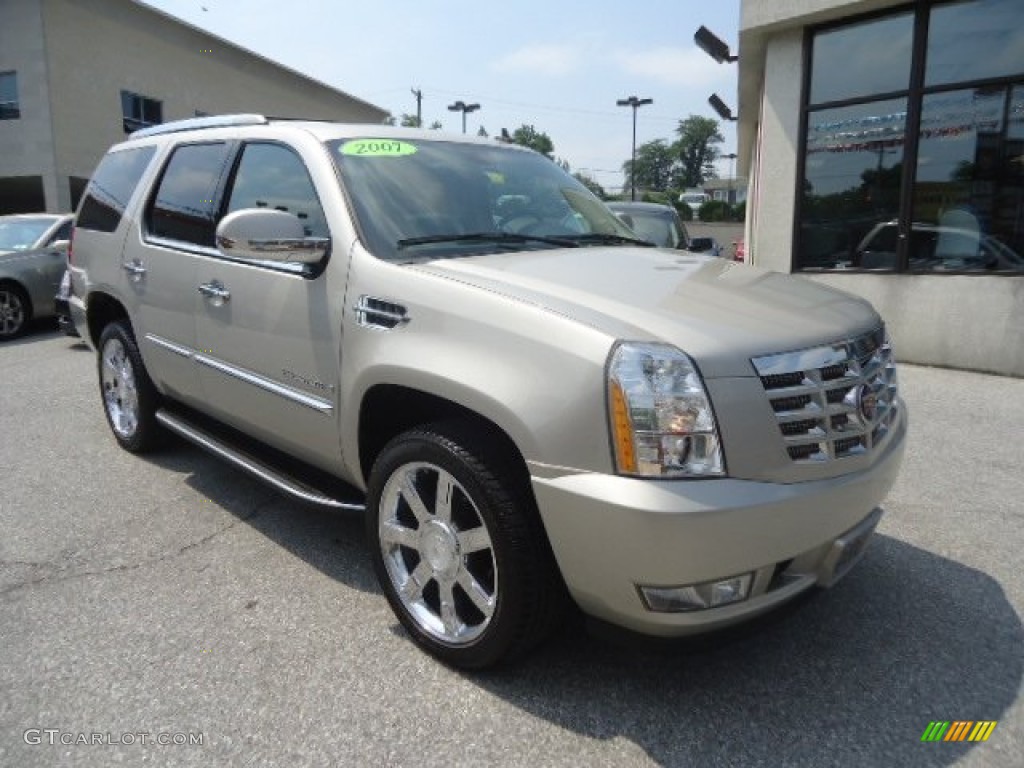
(739, 251)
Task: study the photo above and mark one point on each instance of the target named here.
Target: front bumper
(612, 534)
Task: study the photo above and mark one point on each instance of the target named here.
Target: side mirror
(263, 234)
(60, 246)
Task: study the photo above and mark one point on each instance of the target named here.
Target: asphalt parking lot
(174, 596)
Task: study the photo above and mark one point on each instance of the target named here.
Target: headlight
(661, 420)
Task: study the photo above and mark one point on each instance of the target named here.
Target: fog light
(697, 597)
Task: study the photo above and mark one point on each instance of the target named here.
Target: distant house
(78, 75)
(732, 191)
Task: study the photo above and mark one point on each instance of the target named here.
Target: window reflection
(853, 170)
(968, 213)
(862, 59)
(974, 40)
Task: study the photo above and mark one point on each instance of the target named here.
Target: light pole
(635, 103)
(463, 107)
(730, 157)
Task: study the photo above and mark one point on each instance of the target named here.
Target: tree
(528, 136)
(696, 149)
(590, 184)
(655, 167)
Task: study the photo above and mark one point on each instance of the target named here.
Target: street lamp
(463, 107)
(730, 157)
(720, 107)
(635, 103)
(713, 45)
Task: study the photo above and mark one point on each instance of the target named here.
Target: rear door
(160, 263)
(269, 353)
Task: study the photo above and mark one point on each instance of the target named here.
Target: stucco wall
(954, 321)
(26, 144)
(771, 243)
(97, 48)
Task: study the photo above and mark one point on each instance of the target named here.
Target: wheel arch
(387, 410)
(101, 310)
(20, 288)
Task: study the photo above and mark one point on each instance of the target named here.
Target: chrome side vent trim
(835, 401)
(380, 314)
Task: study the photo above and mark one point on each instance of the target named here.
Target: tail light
(71, 244)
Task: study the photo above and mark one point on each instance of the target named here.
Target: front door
(268, 356)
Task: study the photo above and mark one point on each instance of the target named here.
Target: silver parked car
(33, 257)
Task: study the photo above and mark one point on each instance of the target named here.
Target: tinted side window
(111, 187)
(273, 176)
(183, 207)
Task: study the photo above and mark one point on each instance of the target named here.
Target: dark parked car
(659, 224)
(33, 257)
(706, 245)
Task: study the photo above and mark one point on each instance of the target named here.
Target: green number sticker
(377, 148)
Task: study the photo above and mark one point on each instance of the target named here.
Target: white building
(78, 75)
(884, 142)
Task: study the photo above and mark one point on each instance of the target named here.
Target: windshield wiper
(489, 237)
(609, 239)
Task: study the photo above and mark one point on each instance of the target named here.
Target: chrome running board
(283, 482)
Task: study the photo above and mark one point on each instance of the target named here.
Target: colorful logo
(958, 730)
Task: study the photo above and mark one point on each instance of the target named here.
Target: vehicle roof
(324, 130)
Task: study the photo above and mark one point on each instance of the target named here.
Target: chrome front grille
(834, 401)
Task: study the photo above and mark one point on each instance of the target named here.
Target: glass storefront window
(974, 40)
(881, 49)
(968, 213)
(853, 168)
(922, 170)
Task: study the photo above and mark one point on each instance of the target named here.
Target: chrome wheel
(438, 553)
(12, 312)
(120, 393)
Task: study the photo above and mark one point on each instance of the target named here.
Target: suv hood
(721, 313)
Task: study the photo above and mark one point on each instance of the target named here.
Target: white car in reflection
(936, 247)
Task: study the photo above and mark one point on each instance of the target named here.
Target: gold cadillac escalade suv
(533, 406)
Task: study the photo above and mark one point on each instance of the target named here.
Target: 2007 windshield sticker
(377, 148)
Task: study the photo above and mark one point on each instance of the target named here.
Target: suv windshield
(423, 198)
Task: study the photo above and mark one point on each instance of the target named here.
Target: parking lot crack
(55, 575)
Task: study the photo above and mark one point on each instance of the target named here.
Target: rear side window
(111, 187)
(184, 207)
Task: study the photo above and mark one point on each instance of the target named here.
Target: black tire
(15, 311)
(489, 499)
(130, 400)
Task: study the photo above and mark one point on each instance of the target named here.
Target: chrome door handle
(215, 291)
(134, 269)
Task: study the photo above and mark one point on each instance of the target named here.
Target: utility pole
(419, 106)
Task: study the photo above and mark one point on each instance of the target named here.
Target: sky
(559, 65)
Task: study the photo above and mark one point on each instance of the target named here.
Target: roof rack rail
(194, 123)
